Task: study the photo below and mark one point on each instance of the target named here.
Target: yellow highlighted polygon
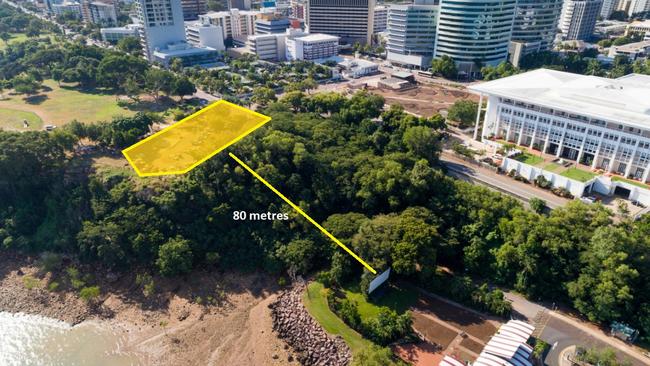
(303, 213)
(183, 146)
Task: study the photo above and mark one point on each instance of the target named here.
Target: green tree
(538, 205)
(174, 257)
(263, 96)
(444, 66)
(376, 356)
(182, 86)
(130, 45)
(463, 111)
(423, 142)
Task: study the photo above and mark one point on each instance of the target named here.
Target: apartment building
(380, 21)
(271, 23)
(599, 122)
(411, 34)
(204, 35)
(474, 33)
(350, 20)
(578, 19)
(234, 22)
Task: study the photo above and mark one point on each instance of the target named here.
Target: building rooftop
(633, 47)
(623, 100)
(640, 23)
(318, 37)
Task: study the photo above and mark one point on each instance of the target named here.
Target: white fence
(530, 172)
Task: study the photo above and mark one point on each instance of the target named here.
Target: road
(476, 174)
(562, 331)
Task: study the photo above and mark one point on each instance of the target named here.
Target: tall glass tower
(537, 21)
(474, 33)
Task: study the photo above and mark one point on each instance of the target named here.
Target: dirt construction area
(425, 100)
(449, 329)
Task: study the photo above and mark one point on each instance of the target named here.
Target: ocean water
(27, 340)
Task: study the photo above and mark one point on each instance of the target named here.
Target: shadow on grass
(35, 99)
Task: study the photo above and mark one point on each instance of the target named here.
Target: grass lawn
(552, 167)
(12, 119)
(578, 174)
(529, 159)
(630, 181)
(315, 301)
(61, 105)
(19, 37)
(395, 298)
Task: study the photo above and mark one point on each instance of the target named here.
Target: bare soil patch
(433, 331)
(425, 100)
(465, 320)
(472, 345)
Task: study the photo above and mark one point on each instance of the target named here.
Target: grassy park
(11, 119)
(20, 37)
(58, 105)
(315, 300)
(395, 298)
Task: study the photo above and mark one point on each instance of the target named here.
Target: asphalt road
(474, 173)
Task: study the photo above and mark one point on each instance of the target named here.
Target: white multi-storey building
(411, 34)
(351, 20)
(599, 122)
(312, 47)
(113, 35)
(204, 35)
(234, 22)
(380, 21)
(474, 33)
(578, 19)
(642, 27)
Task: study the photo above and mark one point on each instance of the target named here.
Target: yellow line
(303, 213)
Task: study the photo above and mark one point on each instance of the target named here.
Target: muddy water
(27, 340)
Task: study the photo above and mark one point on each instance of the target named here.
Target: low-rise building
(188, 54)
(639, 27)
(312, 47)
(632, 51)
(204, 35)
(113, 35)
(98, 12)
(356, 68)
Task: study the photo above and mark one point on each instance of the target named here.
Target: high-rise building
(474, 33)
(351, 20)
(192, 8)
(578, 19)
(204, 35)
(536, 22)
(98, 12)
(380, 21)
(298, 9)
(162, 24)
(412, 33)
(608, 8)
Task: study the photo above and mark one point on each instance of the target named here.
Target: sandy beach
(203, 318)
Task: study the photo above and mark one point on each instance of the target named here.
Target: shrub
(325, 277)
(387, 327)
(31, 282)
(53, 286)
(512, 173)
(50, 262)
(89, 293)
(542, 182)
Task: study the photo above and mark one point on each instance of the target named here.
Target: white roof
(508, 347)
(618, 100)
(318, 37)
(450, 361)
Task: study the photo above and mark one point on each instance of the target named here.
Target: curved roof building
(474, 33)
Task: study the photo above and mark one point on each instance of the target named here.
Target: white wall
(530, 172)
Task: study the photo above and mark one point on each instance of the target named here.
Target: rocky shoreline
(295, 325)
